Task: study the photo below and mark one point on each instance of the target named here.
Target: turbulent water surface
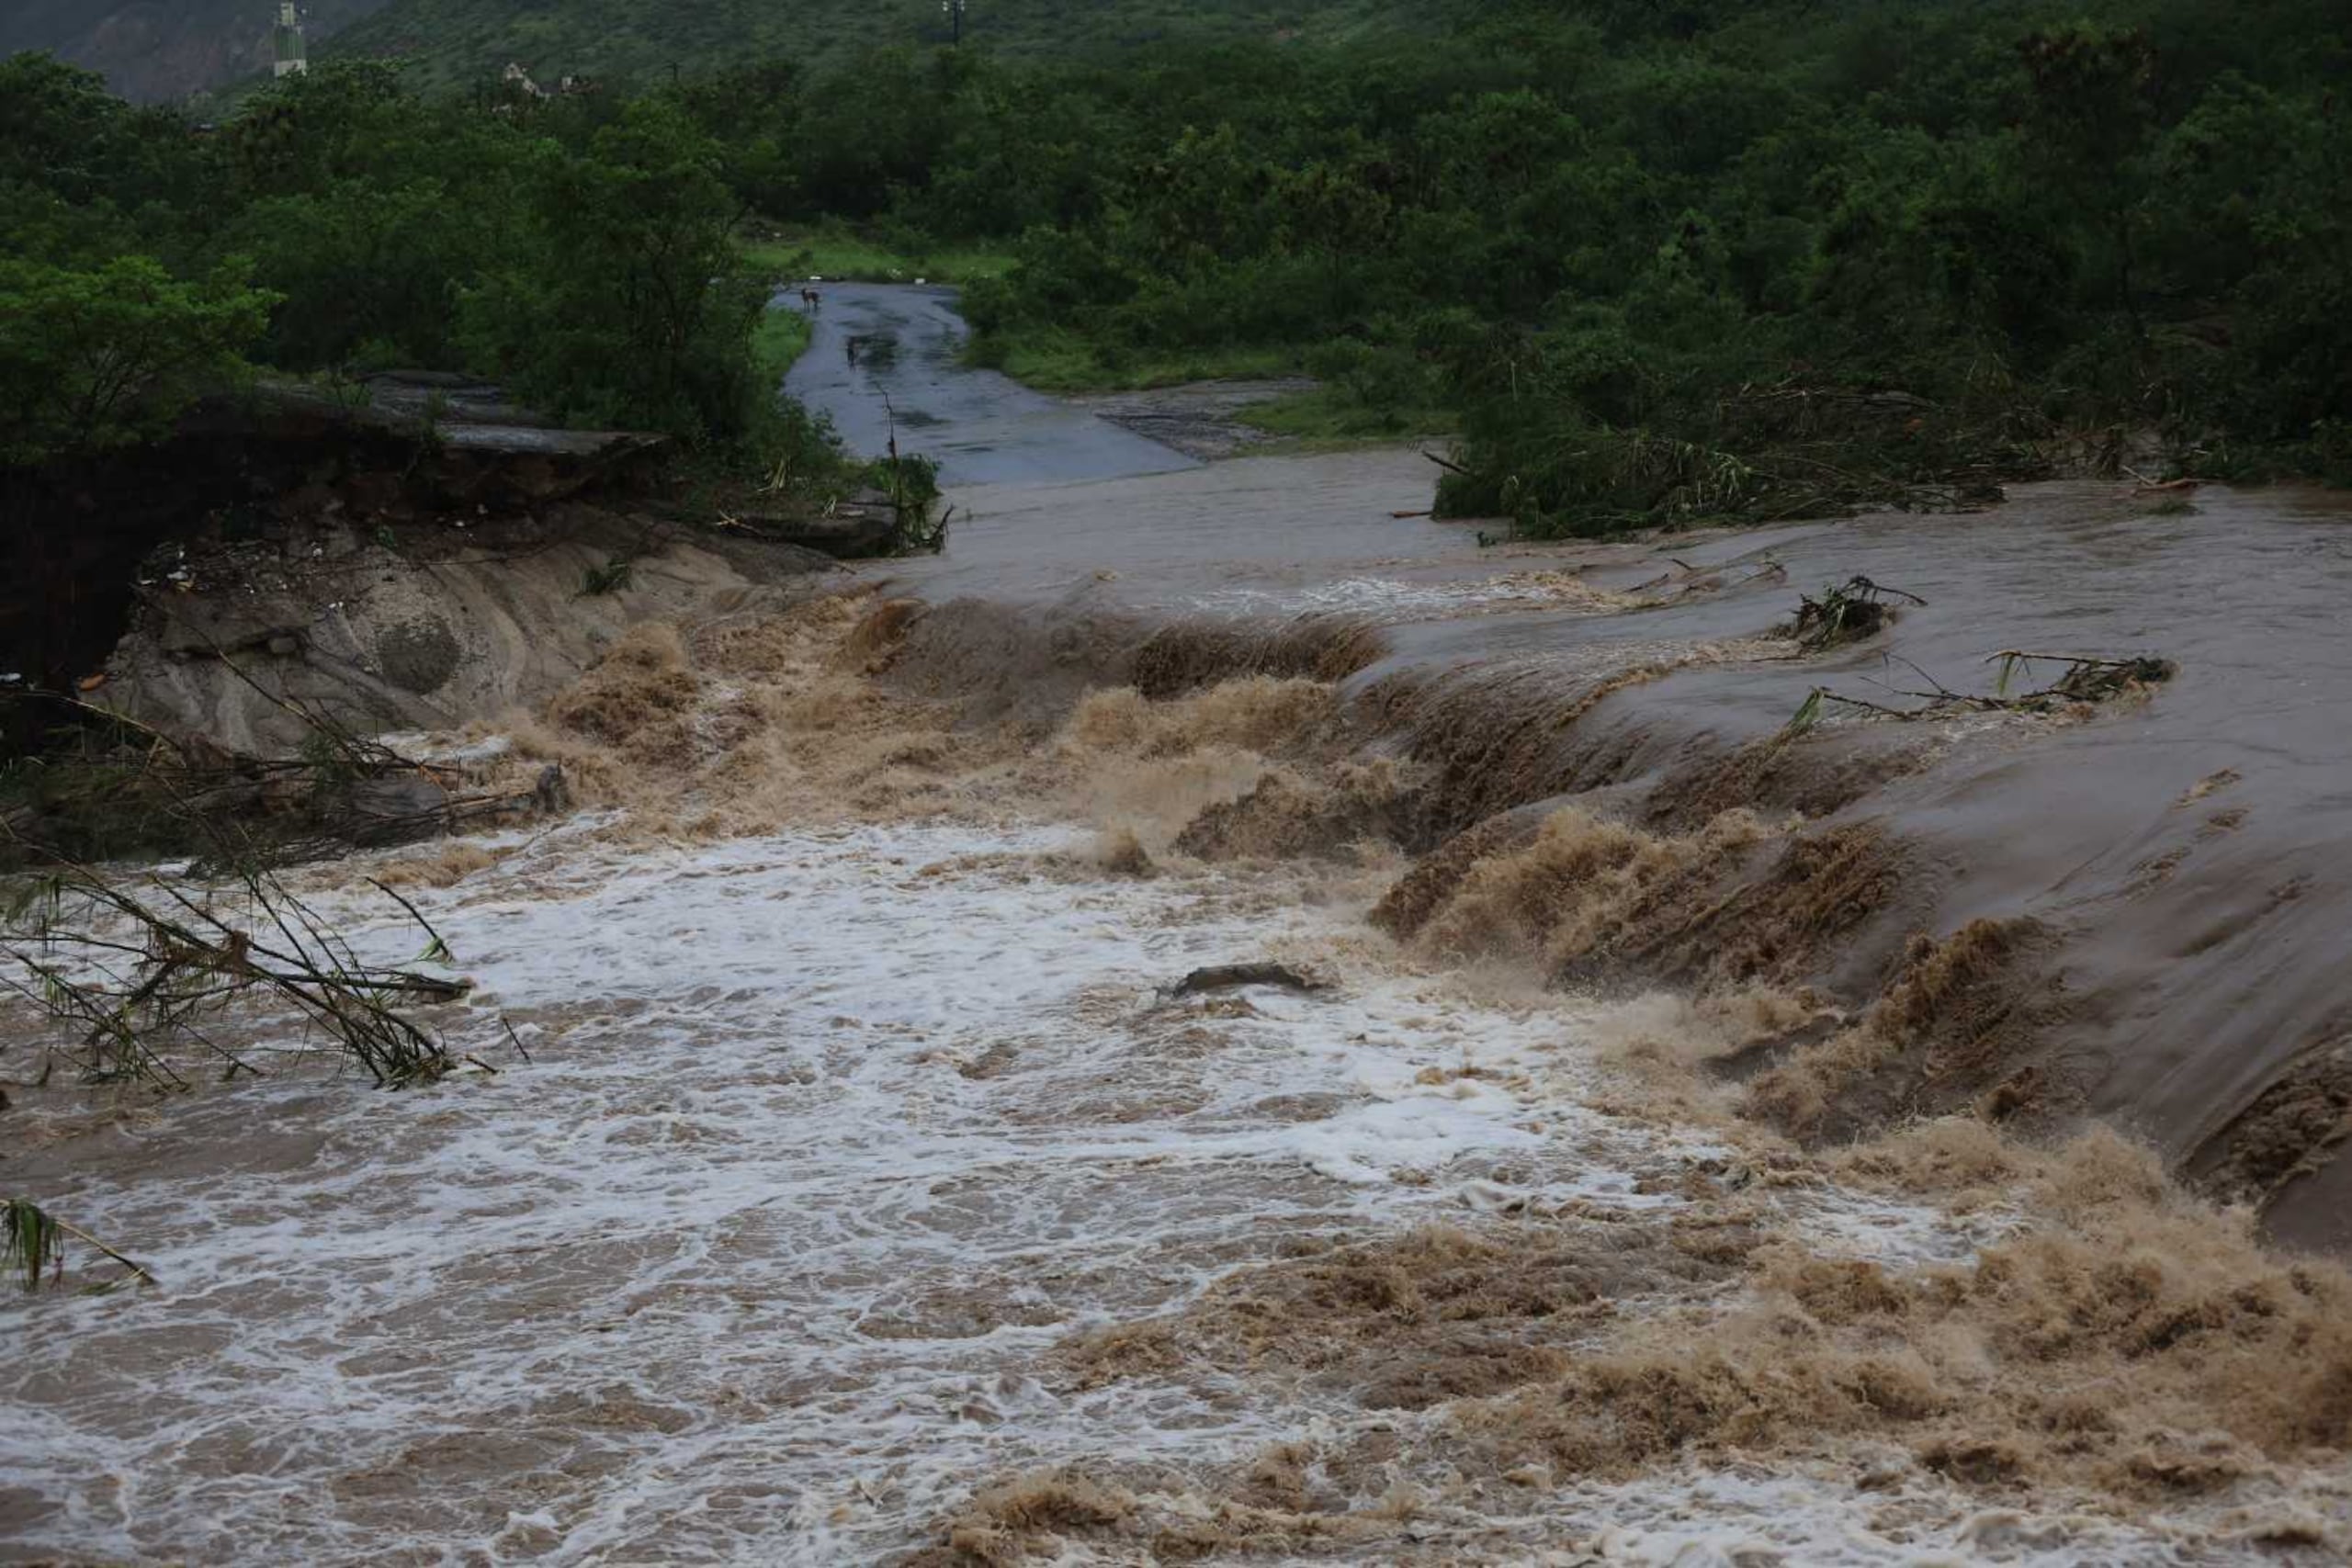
(857, 1182)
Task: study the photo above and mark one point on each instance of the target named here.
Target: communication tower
(291, 52)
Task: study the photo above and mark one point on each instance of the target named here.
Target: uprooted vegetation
(1853, 611)
(138, 973)
(108, 787)
(2083, 680)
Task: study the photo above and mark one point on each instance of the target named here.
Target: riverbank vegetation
(1713, 260)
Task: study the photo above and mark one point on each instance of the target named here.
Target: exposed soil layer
(410, 552)
(429, 628)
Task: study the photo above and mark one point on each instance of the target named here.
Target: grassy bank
(778, 340)
(1055, 361)
(1329, 416)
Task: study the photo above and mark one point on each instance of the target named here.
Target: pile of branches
(139, 971)
(1848, 611)
(114, 787)
(2081, 678)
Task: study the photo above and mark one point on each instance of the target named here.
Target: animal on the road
(810, 297)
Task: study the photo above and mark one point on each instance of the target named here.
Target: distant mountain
(152, 50)
(456, 40)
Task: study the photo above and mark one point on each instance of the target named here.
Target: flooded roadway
(866, 1196)
(883, 359)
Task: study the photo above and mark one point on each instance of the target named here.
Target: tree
(627, 306)
(104, 357)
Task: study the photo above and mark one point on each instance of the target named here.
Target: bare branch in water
(64, 944)
(32, 1242)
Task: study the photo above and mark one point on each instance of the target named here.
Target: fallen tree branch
(35, 1242)
(191, 964)
(2086, 680)
(1848, 611)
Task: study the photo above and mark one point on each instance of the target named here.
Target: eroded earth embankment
(1684, 1144)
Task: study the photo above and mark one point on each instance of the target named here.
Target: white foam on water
(825, 1137)
(1739, 1514)
(1390, 595)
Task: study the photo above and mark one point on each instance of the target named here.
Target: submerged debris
(2085, 678)
(137, 973)
(1229, 976)
(1848, 611)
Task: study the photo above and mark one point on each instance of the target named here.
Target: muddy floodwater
(1690, 1141)
(829, 1140)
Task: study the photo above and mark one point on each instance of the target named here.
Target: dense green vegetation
(1653, 259)
(1706, 259)
(341, 223)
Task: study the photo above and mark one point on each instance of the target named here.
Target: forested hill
(453, 42)
(155, 51)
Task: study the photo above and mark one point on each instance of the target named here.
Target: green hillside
(454, 41)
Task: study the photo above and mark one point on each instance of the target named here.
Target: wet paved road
(982, 426)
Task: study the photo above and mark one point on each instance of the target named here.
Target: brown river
(1696, 1141)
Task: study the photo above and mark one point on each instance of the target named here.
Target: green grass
(1325, 417)
(1055, 361)
(834, 252)
(780, 338)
